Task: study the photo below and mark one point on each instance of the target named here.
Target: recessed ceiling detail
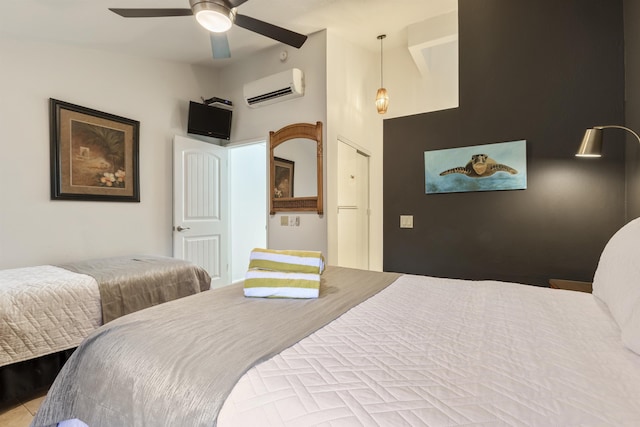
(423, 36)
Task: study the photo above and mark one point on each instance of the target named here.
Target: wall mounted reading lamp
(592, 141)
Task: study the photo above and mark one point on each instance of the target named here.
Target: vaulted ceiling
(90, 24)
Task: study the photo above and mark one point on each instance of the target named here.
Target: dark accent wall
(632, 108)
(542, 71)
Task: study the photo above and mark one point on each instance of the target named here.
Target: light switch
(294, 221)
(406, 221)
(284, 220)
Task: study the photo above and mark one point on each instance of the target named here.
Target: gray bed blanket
(131, 283)
(174, 364)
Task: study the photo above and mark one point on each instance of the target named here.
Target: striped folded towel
(287, 260)
(281, 284)
(284, 274)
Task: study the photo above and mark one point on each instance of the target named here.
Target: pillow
(631, 331)
(617, 278)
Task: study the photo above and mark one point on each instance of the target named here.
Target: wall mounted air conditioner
(275, 88)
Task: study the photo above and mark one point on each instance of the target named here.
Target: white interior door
(200, 206)
(353, 207)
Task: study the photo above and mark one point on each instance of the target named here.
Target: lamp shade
(591, 145)
(382, 100)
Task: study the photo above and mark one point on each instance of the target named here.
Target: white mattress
(45, 309)
(441, 352)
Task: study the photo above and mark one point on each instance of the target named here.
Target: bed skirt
(23, 380)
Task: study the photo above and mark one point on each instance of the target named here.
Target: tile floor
(21, 414)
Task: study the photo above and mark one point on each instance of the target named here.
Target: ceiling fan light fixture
(214, 17)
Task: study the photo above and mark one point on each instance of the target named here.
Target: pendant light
(382, 97)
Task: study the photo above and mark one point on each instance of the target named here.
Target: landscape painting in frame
(94, 155)
(489, 167)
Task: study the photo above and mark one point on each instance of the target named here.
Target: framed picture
(284, 178)
(94, 155)
(488, 167)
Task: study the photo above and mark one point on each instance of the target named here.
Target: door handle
(181, 228)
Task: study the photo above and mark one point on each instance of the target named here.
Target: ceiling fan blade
(220, 46)
(235, 3)
(151, 13)
(272, 31)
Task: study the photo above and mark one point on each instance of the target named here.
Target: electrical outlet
(284, 220)
(292, 221)
(406, 221)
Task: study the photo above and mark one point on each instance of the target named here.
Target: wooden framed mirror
(296, 185)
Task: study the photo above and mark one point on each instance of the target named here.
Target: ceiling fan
(218, 16)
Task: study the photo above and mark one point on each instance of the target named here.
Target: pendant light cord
(381, 37)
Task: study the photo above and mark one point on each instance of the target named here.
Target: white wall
(412, 93)
(36, 230)
(353, 78)
(351, 87)
(341, 81)
(255, 123)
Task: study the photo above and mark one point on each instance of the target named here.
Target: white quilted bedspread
(442, 352)
(45, 309)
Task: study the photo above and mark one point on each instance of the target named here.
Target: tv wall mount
(215, 101)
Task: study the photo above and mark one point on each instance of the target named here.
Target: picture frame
(487, 167)
(94, 155)
(284, 175)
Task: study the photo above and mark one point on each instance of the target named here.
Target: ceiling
(89, 24)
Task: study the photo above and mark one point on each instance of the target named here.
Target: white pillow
(631, 331)
(617, 278)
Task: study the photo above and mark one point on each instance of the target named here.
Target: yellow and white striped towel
(287, 261)
(280, 284)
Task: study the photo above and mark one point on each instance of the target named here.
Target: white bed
(415, 351)
(438, 352)
(47, 310)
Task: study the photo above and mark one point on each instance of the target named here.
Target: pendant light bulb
(382, 97)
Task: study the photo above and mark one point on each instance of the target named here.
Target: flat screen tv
(209, 121)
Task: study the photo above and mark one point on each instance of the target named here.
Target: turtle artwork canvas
(488, 167)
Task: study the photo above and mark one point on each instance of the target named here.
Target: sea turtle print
(480, 166)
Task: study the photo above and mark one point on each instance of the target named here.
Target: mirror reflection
(295, 168)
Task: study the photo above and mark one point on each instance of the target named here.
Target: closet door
(353, 207)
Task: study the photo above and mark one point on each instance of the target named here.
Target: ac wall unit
(275, 88)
